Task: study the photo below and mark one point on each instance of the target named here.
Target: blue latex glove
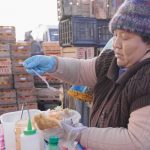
(41, 64)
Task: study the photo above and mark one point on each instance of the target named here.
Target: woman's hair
(146, 39)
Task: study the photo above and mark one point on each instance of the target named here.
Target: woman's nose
(116, 43)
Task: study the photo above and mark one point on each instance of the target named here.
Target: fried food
(51, 119)
(44, 122)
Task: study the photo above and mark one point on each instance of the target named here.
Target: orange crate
(6, 82)
(7, 100)
(50, 53)
(23, 78)
(7, 38)
(18, 70)
(6, 70)
(24, 84)
(5, 62)
(7, 93)
(78, 52)
(18, 61)
(4, 50)
(43, 94)
(21, 49)
(51, 46)
(8, 108)
(17, 66)
(7, 30)
(49, 79)
(25, 92)
(7, 34)
(22, 99)
(31, 105)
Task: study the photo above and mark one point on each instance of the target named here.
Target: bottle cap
(53, 139)
(29, 130)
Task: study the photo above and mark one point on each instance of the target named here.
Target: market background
(65, 28)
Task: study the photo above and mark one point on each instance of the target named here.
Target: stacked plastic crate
(23, 82)
(83, 30)
(103, 11)
(77, 28)
(78, 37)
(7, 92)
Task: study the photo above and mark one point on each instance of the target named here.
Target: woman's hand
(41, 64)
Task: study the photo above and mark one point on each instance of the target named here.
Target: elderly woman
(120, 118)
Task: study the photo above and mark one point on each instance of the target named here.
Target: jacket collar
(113, 71)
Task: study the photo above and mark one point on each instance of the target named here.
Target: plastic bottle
(19, 127)
(30, 138)
(53, 143)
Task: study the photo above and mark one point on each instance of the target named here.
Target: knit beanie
(133, 16)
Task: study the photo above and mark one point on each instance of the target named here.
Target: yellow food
(44, 122)
(51, 119)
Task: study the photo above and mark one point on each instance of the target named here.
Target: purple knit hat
(133, 16)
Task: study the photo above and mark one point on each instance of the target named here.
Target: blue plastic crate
(103, 32)
(78, 31)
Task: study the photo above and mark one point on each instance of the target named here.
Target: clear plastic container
(8, 121)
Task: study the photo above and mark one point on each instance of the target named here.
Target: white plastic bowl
(8, 121)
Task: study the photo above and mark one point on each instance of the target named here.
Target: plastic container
(30, 138)
(2, 144)
(8, 121)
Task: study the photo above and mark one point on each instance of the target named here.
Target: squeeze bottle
(30, 138)
(53, 143)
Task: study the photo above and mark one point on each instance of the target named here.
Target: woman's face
(128, 47)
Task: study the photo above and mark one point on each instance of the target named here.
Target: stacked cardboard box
(7, 92)
(23, 82)
(7, 34)
(78, 52)
(51, 48)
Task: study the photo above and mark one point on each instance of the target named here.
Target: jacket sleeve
(135, 137)
(76, 71)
